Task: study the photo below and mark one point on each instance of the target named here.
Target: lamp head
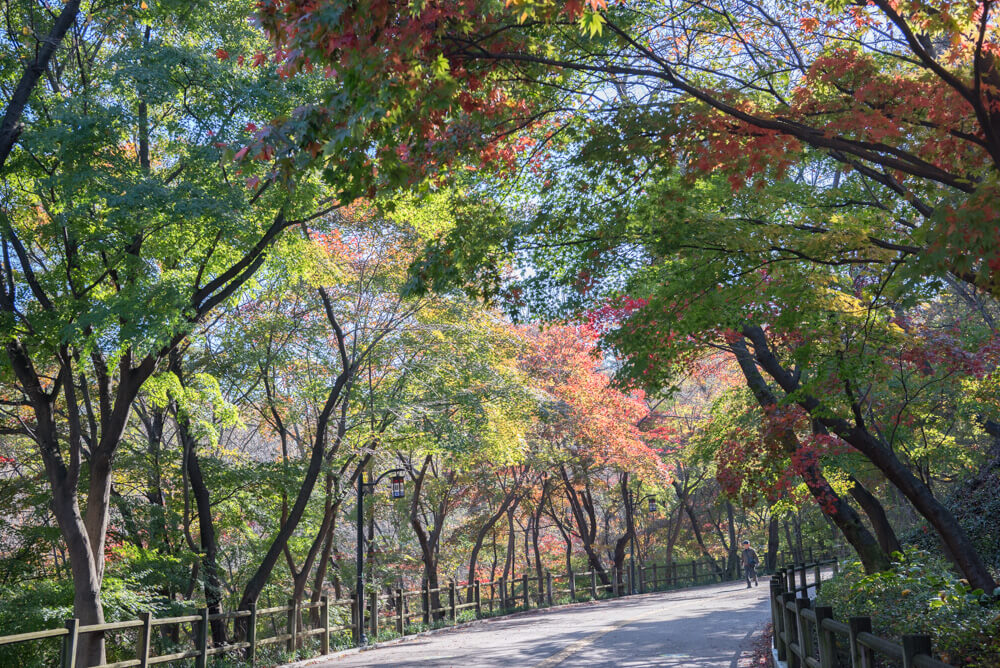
(398, 488)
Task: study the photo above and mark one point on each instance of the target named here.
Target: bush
(36, 605)
(921, 595)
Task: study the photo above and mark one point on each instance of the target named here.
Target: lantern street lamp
(367, 486)
(632, 505)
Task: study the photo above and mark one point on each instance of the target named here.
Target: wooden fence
(809, 636)
(398, 611)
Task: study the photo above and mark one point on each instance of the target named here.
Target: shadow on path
(673, 629)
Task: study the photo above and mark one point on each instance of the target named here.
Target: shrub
(920, 594)
(35, 605)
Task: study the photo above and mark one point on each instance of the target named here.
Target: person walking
(750, 562)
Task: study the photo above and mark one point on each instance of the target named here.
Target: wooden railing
(398, 611)
(71, 632)
(808, 636)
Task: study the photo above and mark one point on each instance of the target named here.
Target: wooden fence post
(805, 636)
(503, 594)
(914, 646)
(145, 635)
(642, 579)
(527, 600)
(816, 576)
(778, 620)
(477, 591)
(452, 610)
(252, 634)
(802, 580)
(70, 641)
(324, 619)
(858, 625)
(791, 626)
(655, 583)
(201, 661)
(790, 577)
(548, 587)
(827, 640)
(593, 583)
(694, 572)
(673, 580)
(400, 622)
(572, 585)
(373, 621)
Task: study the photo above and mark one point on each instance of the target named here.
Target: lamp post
(364, 486)
(631, 559)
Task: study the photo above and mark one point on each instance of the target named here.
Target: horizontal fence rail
(808, 636)
(296, 627)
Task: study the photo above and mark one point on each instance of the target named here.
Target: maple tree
(833, 329)
(592, 427)
(121, 232)
(684, 262)
(790, 207)
(891, 109)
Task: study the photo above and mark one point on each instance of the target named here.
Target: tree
(44, 49)
(123, 226)
(901, 98)
(591, 428)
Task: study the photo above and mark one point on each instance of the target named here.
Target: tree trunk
(206, 523)
(582, 506)
(685, 498)
(771, 561)
(789, 543)
(847, 520)
(876, 515)
(731, 565)
(207, 538)
(10, 126)
(495, 560)
(429, 541)
(675, 532)
(256, 583)
(324, 562)
(508, 564)
(622, 543)
(509, 503)
(857, 434)
(536, 521)
(797, 522)
(87, 605)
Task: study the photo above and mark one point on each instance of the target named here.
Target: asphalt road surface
(703, 627)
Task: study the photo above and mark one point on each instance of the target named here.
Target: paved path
(703, 627)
